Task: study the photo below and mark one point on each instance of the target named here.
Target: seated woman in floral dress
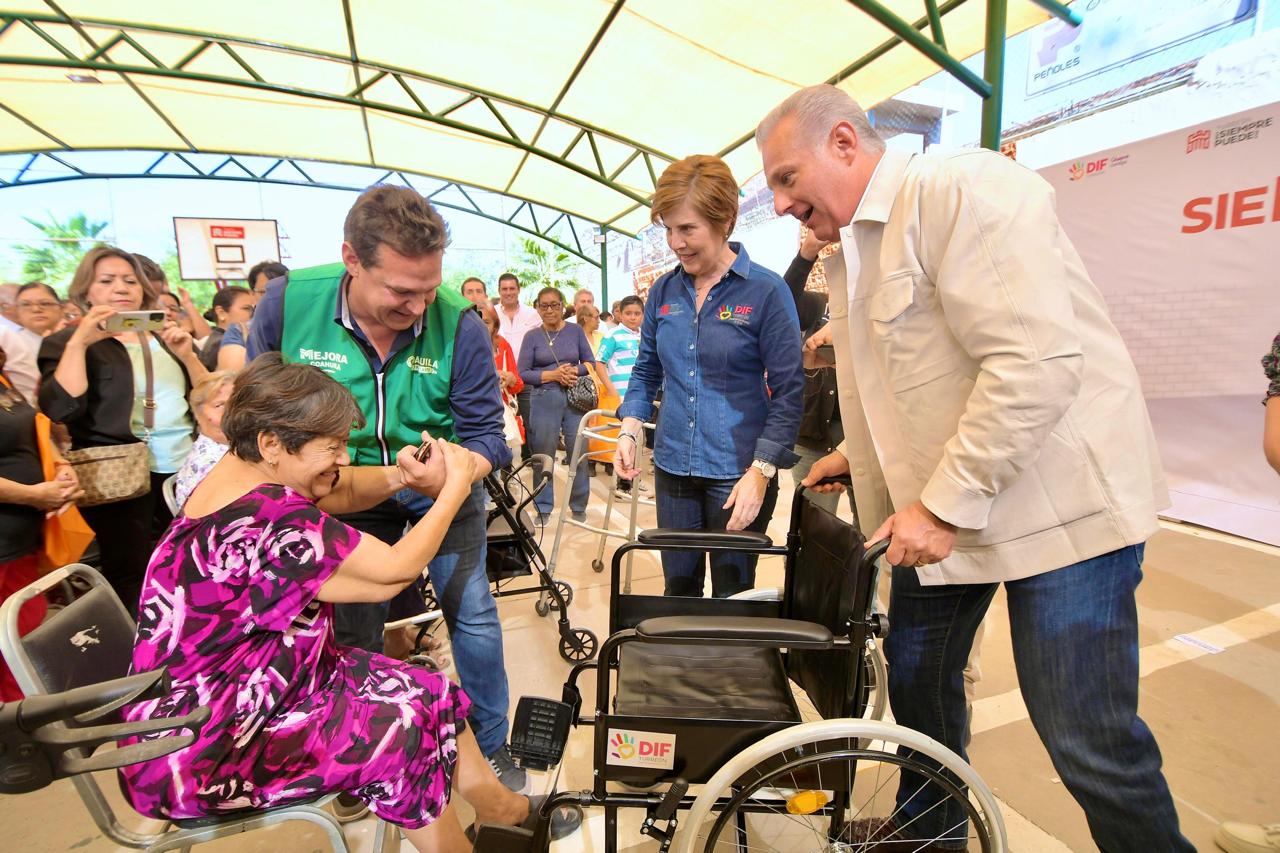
(238, 602)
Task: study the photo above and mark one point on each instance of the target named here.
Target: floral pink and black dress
(229, 606)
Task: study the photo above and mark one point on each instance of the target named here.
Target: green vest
(412, 392)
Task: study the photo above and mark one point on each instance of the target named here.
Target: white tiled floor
(1215, 714)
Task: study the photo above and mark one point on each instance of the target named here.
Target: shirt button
(690, 424)
(861, 472)
(690, 372)
(690, 399)
(690, 346)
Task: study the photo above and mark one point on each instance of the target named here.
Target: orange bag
(66, 535)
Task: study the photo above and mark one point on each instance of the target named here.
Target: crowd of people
(334, 424)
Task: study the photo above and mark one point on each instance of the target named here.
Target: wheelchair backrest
(87, 642)
(826, 585)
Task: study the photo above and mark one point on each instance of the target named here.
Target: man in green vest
(416, 357)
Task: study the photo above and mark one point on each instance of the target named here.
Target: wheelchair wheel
(578, 645)
(876, 678)
(831, 786)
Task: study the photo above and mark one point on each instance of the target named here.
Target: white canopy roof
(576, 105)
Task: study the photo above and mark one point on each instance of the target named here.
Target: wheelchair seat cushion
(703, 681)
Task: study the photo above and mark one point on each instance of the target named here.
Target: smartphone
(135, 321)
(423, 453)
(826, 352)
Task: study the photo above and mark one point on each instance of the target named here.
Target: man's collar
(882, 189)
(342, 312)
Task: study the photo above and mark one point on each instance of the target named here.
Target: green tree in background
(540, 265)
(201, 290)
(55, 261)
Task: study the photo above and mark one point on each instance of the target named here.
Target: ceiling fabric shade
(575, 105)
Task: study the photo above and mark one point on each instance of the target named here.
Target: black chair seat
(703, 682)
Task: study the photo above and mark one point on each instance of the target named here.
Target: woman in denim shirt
(721, 338)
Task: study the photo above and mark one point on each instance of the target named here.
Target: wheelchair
(745, 715)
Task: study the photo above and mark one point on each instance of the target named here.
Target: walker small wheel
(542, 606)
(566, 592)
(579, 645)
(597, 566)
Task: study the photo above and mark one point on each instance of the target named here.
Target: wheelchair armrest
(735, 630)
(698, 538)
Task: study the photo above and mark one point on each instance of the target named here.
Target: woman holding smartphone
(93, 379)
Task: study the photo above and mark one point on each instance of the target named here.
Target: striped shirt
(618, 354)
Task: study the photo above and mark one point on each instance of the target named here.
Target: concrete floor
(1210, 637)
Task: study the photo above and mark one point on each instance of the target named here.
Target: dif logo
(1081, 169)
(628, 748)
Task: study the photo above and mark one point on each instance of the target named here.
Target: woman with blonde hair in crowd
(93, 380)
(721, 339)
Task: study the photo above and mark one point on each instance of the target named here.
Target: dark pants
(522, 409)
(1075, 646)
(698, 502)
(127, 532)
(462, 588)
(551, 417)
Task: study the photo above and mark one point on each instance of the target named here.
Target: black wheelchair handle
(841, 480)
(874, 551)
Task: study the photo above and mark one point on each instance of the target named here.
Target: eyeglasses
(547, 306)
(46, 304)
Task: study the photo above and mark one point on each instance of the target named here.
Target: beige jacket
(977, 360)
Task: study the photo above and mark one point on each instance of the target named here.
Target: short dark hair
(227, 297)
(273, 269)
(509, 276)
(294, 402)
(151, 269)
(32, 285)
(554, 291)
(470, 279)
(625, 301)
(398, 217)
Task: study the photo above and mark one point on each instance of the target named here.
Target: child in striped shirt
(619, 348)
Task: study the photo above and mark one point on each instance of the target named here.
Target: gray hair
(817, 109)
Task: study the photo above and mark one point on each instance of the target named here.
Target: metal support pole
(604, 271)
(993, 71)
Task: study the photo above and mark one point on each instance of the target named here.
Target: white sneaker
(1248, 837)
(646, 491)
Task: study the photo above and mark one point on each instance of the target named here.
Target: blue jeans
(551, 416)
(697, 502)
(1075, 646)
(461, 586)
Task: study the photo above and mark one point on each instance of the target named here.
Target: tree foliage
(55, 259)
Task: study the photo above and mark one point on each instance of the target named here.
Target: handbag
(66, 533)
(118, 472)
(512, 426)
(582, 395)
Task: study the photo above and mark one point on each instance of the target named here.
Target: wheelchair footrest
(540, 731)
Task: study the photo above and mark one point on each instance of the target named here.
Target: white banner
(1181, 232)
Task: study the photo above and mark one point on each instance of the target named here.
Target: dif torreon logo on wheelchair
(642, 749)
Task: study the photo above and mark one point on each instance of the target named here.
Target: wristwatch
(768, 469)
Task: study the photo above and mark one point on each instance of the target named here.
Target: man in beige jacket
(995, 428)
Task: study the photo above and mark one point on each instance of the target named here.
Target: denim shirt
(718, 412)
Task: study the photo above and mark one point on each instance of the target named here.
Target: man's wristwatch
(768, 469)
